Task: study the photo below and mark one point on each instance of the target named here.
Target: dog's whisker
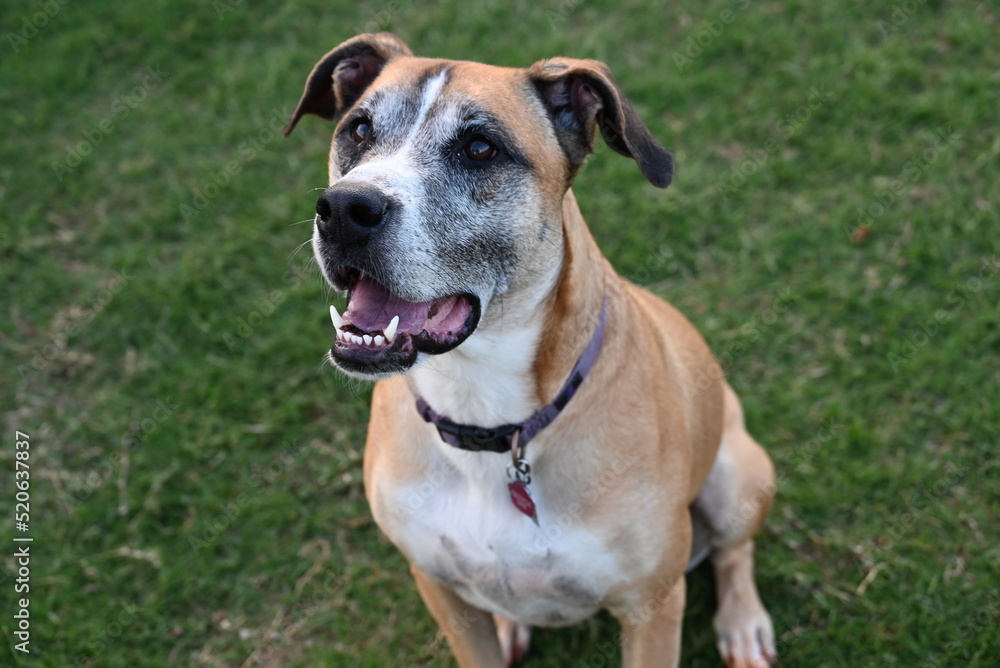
(300, 247)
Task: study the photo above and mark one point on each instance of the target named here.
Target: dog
(546, 439)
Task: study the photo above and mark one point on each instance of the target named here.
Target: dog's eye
(361, 131)
(478, 149)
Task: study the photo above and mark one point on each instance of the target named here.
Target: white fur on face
(456, 229)
(440, 241)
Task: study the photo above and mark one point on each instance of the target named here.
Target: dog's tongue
(372, 307)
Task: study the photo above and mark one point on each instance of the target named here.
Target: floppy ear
(341, 76)
(581, 95)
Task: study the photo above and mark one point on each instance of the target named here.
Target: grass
(196, 493)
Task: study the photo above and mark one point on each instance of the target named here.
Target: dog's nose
(349, 213)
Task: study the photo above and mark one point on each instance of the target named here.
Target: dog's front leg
(469, 630)
(651, 628)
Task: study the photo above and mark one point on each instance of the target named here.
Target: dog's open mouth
(381, 332)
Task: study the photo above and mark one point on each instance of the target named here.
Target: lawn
(195, 469)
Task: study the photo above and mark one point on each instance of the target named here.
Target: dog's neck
(508, 369)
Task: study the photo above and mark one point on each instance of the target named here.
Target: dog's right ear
(581, 96)
(341, 76)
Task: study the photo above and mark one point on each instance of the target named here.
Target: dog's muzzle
(381, 331)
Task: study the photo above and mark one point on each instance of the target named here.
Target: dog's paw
(514, 639)
(746, 635)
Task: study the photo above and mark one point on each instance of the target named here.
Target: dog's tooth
(338, 322)
(340, 334)
(379, 340)
(368, 339)
(390, 331)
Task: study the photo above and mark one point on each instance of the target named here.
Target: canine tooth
(340, 334)
(368, 340)
(379, 340)
(390, 331)
(338, 322)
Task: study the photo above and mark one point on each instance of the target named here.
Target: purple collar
(500, 439)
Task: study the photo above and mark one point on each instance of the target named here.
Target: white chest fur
(458, 523)
(464, 531)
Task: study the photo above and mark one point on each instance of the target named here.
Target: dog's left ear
(341, 76)
(581, 95)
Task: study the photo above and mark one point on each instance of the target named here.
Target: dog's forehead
(504, 93)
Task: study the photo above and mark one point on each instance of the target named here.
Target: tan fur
(656, 395)
(649, 401)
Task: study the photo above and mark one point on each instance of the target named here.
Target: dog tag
(521, 498)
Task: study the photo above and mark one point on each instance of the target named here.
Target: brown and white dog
(478, 299)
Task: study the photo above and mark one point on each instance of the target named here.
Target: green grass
(192, 458)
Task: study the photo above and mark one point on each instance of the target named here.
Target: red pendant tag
(521, 499)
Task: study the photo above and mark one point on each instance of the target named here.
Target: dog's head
(446, 187)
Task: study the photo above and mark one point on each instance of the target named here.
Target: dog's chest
(468, 535)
